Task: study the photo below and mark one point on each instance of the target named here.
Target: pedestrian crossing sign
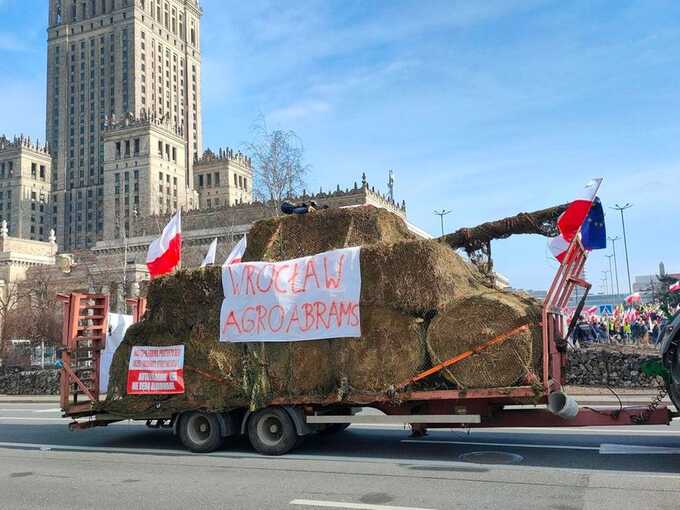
(606, 309)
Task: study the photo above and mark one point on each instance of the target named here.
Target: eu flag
(593, 231)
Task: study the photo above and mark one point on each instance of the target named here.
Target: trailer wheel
(200, 432)
(271, 431)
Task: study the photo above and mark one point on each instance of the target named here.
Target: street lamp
(622, 208)
(605, 281)
(616, 266)
(610, 271)
(441, 215)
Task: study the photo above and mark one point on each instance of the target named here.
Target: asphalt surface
(43, 465)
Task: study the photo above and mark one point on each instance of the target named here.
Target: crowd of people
(641, 325)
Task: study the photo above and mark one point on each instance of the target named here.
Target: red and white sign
(156, 370)
(165, 252)
(675, 287)
(309, 298)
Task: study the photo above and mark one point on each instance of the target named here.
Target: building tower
(107, 59)
(223, 179)
(25, 188)
(144, 173)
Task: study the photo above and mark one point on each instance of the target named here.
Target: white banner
(309, 298)
(118, 324)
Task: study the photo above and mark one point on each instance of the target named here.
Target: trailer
(283, 424)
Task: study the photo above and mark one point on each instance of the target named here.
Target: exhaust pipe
(562, 405)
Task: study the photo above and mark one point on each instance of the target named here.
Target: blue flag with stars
(593, 232)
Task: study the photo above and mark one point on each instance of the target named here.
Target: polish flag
(675, 287)
(165, 252)
(237, 252)
(210, 256)
(570, 221)
(633, 298)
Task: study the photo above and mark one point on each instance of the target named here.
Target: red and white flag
(675, 287)
(210, 256)
(165, 252)
(570, 221)
(237, 252)
(633, 298)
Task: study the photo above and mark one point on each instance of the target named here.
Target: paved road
(42, 465)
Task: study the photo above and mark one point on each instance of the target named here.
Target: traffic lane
(45, 479)
(579, 449)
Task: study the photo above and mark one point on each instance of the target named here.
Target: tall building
(223, 179)
(144, 173)
(25, 178)
(108, 59)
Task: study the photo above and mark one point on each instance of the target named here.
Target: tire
(334, 428)
(271, 431)
(200, 432)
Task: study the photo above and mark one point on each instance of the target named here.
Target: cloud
(298, 111)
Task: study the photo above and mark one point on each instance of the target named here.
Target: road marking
(516, 445)
(630, 449)
(53, 410)
(355, 506)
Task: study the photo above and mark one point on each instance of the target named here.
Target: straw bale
(389, 351)
(293, 236)
(415, 276)
(472, 321)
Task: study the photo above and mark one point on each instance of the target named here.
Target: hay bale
(390, 350)
(212, 372)
(300, 368)
(415, 276)
(472, 321)
(186, 299)
(293, 236)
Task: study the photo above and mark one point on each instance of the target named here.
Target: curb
(29, 399)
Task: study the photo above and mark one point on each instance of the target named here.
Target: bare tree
(38, 317)
(10, 298)
(277, 159)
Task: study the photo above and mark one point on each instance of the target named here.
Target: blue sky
(486, 108)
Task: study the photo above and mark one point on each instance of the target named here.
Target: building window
(209, 180)
(200, 181)
(217, 179)
(136, 146)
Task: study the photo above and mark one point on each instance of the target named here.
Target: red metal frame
(84, 337)
(138, 306)
(557, 298)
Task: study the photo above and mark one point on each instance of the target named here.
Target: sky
(485, 108)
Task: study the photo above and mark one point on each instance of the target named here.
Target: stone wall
(618, 367)
(36, 382)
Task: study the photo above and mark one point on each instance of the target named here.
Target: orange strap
(464, 355)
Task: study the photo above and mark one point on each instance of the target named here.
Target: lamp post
(622, 208)
(441, 215)
(611, 283)
(605, 281)
(616, 266)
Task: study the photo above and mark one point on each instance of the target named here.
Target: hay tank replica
(440, 345)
